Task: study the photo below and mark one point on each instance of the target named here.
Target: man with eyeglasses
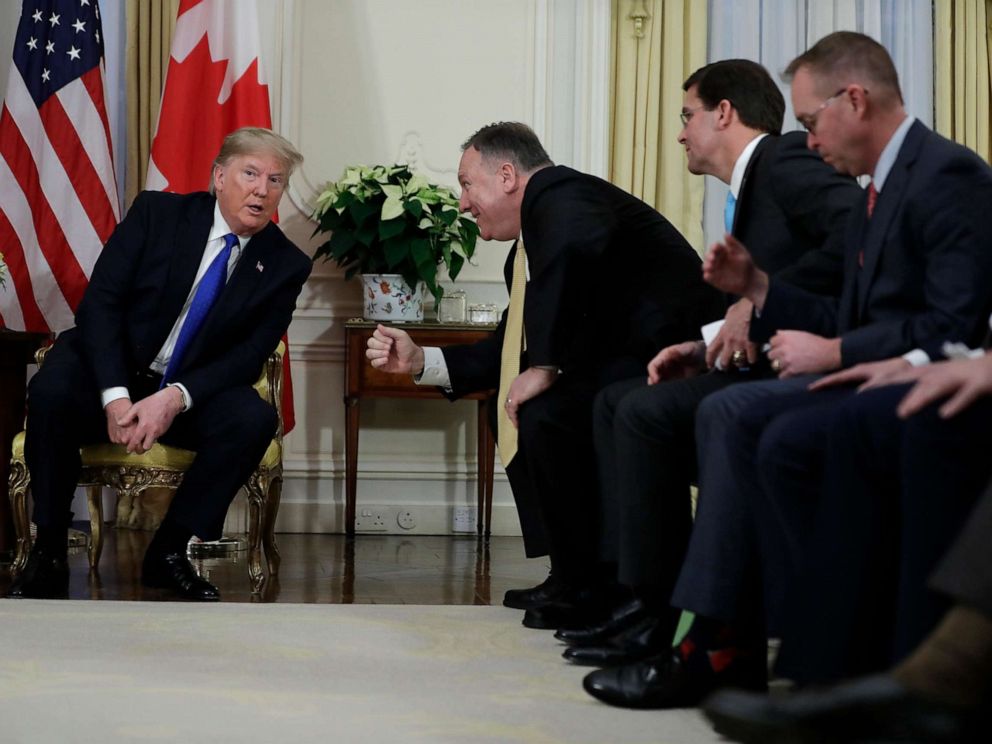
(916, 275)
(787, 203)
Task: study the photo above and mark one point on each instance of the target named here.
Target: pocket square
(259, 267)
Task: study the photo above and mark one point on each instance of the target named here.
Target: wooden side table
(362, 380)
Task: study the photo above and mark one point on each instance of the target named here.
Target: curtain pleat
(962, 59)
(650, 61)
(150, 24)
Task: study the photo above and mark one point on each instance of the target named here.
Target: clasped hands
(729, 267)
(139, 425)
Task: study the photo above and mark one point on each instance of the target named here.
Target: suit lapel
(745, 195)
(889, 205)
(856, 234)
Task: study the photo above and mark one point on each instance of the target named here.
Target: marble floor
(370, 569)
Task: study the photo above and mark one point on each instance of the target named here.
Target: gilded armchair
(129, 475)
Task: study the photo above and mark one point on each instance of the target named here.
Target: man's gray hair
(512, 142)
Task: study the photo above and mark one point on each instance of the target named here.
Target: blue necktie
(728, 212)
(211, 284)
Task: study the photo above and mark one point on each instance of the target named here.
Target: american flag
(58, 192)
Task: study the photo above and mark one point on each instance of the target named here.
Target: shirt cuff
(109, 395)
(710, 330)
(187, 398)
(917, 357)
(435, 369)
(957, 350)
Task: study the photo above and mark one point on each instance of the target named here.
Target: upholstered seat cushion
(159, 456)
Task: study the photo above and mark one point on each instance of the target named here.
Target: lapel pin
(259, 268)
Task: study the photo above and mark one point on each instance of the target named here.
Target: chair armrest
(39, 356)
(269, 383)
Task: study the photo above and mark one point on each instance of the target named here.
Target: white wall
(380, 81)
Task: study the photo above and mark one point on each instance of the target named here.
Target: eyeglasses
(687, 114)
(809, 121)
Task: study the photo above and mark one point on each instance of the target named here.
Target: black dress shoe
(622, 618)
(44, 577)
(174, 571)
(547, 591)
(666, 681)
(577, 608)
(650, 637)
(875, 709)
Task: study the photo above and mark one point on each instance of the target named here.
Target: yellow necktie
(513, 344)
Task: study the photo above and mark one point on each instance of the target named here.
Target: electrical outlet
(406, 520)
(463, 519)
(371, 519)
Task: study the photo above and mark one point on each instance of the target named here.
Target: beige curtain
(150, 24)
(657, 44)
(961, 72)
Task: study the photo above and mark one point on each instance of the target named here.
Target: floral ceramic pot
(388, 297)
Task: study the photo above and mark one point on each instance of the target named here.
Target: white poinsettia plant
(386, 219)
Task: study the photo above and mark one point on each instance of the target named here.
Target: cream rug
(76, 671)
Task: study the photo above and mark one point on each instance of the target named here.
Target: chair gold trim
(162, 466)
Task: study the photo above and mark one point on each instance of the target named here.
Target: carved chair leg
(19, 483)
(271, 506)
(255, 575)
(94, 499)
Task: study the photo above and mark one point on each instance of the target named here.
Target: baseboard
(384, 518)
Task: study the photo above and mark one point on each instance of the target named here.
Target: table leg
(486, 461)
(351, 462)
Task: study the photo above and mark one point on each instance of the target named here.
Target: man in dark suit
(937, 693)
(610, 281)
(188, 298)
(916, 273)
(859, 602)
(790, 206)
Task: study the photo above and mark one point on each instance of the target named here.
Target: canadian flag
(214, 85)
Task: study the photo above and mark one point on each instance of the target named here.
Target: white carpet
(77, 671)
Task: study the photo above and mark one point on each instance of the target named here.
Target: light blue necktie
(728, 212)
(211, 284)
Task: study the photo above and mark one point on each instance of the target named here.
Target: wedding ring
(776, 365)
(738, 358)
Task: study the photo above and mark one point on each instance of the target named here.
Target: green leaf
(366, 234)
(448, 216)
(414, 207)
(340, 243)
(454, 269)
(420, 249)
(391, 228)
(361, 211)
(396, 251)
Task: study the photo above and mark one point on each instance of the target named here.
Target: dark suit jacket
(611, 282)
(144, 275)
(791, 212)
(927, 261)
